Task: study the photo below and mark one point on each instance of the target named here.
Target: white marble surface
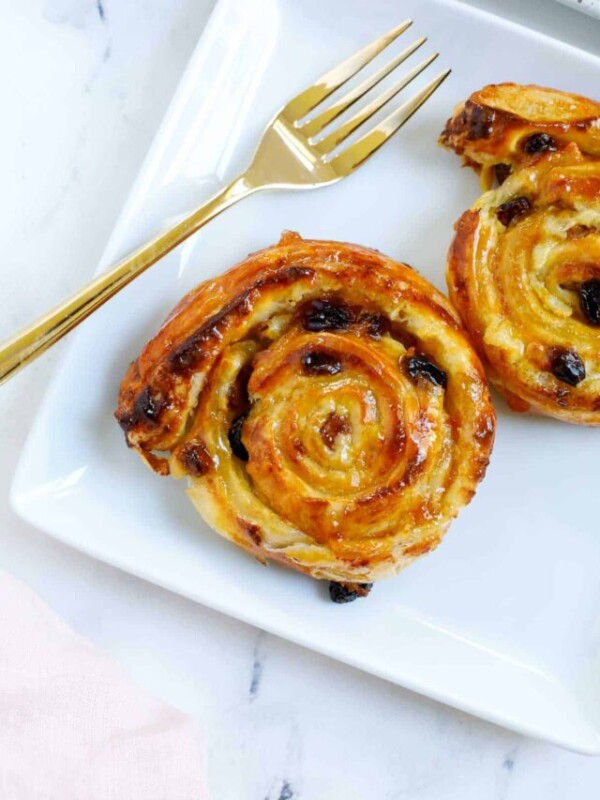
(84, 87)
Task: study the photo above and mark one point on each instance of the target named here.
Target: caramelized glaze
(280, 391)
(524, 265)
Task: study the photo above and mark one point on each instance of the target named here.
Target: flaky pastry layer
(524, 267)
(324, 404)
(506, 125)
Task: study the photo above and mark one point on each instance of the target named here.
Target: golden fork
(289, 156)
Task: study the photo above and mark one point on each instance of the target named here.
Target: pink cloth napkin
(74, 726)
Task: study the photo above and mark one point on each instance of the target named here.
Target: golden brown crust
(501, 124)
(521, 261)
(302, 395)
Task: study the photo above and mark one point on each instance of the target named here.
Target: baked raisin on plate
(323, 403)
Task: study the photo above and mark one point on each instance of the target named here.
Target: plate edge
(519, 26)
(589, 744)
(16, 497)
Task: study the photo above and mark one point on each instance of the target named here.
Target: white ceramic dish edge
(587, 740)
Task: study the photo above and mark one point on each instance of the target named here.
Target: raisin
(480, 123)
(148, 405)
(589, 298)
(567, 366)
(237, 397)
(318, 362)
(513, 209)
(502, 171)
(419, 367)
(333, 427)
(234, 434)
(253, 531)
(196, 458)
(376, 325)
(347, 592)
(323, 315)
(579, 231)
(146, 409)
(539, 143)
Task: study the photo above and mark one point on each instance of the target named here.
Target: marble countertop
(86, 83)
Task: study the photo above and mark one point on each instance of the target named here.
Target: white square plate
(502, 620)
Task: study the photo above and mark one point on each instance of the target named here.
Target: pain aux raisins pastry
(325, 406)
(503, 126)
(524, 267)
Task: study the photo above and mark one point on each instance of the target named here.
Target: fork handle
(28, 343)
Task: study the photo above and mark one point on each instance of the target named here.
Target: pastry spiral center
(528, 284)
(334, 436)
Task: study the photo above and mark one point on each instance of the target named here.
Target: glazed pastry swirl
(524, 267)
(503, 126)
(524, 273)
(323, 402)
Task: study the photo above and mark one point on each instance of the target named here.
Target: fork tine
(328, 143)
(304, 102)
(317, 124)
(354, 155)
